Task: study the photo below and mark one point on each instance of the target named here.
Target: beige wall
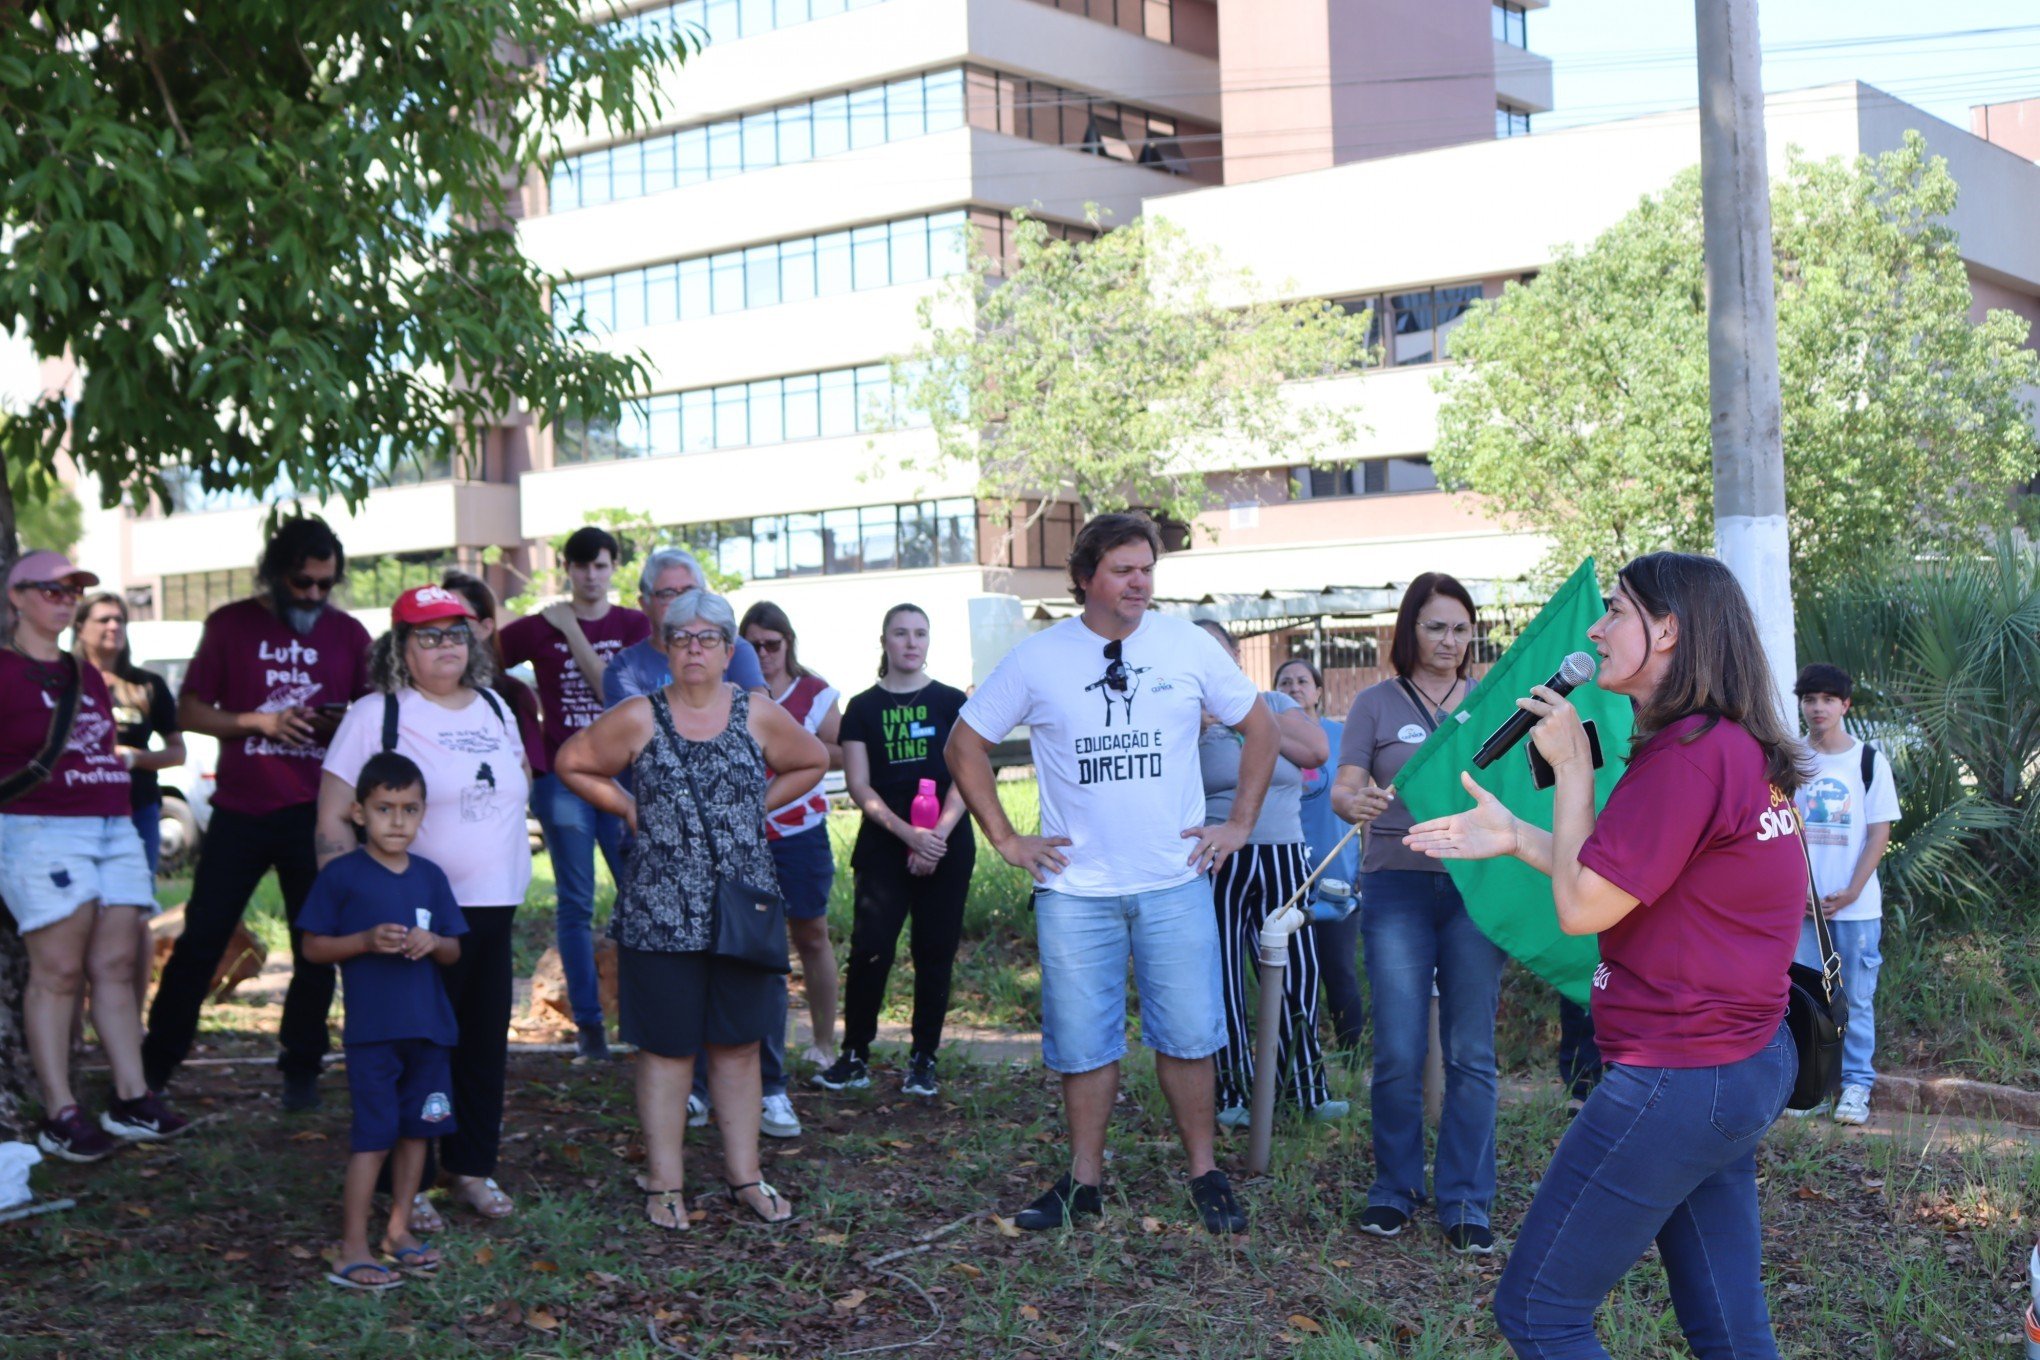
(2014, 126)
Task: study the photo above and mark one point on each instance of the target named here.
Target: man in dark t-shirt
(271, 677)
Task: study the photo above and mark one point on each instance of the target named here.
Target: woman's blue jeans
(1664, 1154)
(1416, 928)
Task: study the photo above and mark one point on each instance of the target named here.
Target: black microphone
(1573, 672)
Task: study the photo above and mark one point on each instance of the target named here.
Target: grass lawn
(213, 1245)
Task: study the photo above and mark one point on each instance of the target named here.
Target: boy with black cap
(1846, 809)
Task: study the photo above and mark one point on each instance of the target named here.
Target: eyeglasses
(1115, 673)
(56, 592)
(323, 584)
(768, 646)
(670, 594)
(694, 642)
(432, 639)
(1438, 628)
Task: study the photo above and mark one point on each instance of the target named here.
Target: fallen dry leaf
(1151, 1226)
(234, 1256)
(1343, 1264)
(300, 1253)
(850, 1302)
(539, 1319)
(545, 1267)
(308, 1136)
(1304, 1324)
(832, 1239)
(1030, 1312)
(967, 1270)
(1006, 1226)
(485, 1255)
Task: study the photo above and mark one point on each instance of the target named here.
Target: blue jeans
(1172, 935)
(1860, 945)
(1416, 928)
(572, 831)
(149, 826)
(1665, 1154)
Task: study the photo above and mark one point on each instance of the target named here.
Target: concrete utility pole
(1750, 532)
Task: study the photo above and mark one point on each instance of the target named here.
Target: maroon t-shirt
(569, 701)
(249, 661)
(524, 704)
(89, 779)
(1695, 975)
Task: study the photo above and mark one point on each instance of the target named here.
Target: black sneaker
(73, 1137)
(921, 1076)
(591, 1044)
(846, 1072)
(1216, 1204)
(1381, 1220)
(1064, 1203)
(1470, 1239)
(300, 1092)
(145, 1119)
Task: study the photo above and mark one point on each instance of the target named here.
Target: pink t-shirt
(570, 702)
(1695, 976)
(475, 788)
(249, 661)
(89, 779)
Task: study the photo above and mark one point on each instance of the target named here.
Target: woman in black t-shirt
(892, 737)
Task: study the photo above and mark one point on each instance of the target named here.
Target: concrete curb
(1957, 1096)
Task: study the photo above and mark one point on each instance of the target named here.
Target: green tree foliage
(277, 238)
(1113, 372)
(57, 521)
(1579, 408)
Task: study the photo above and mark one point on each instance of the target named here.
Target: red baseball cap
(423, 604)
(45, 565)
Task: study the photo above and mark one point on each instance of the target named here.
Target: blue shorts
(402, 1088)
(807, 870)
(51, 866)
(1172, 934)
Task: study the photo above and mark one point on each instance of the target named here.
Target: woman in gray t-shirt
(1416, 932)
(1268, 869)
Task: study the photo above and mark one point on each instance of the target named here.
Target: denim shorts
(807, 870)
(1172, 934)
(51, 866)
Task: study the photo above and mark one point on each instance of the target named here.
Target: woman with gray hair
(698, 751)
(431, 701)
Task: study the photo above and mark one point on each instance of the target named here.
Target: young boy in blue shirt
(387, 917)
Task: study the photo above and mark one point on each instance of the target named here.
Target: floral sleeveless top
(667, 902)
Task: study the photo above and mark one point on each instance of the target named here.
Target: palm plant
(1946, 655)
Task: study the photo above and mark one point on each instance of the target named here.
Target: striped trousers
(1246, 890)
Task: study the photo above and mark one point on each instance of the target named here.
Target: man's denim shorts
(1172, 934)
(51, 866)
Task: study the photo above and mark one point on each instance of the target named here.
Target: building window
(725, 21)
(1411, 327)
(1373, 477)
(1025, 535)
(907, 537)
(1511, 24)
(375, 582)
(1511, 121)
(1040, 112)
(193, 595)
(1189, 24)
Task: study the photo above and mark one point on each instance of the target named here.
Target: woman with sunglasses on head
(432, 700)
(893, 736)
(699, 751)
(1694, 877)
(799, 832)
(1338, 942)
(72, 869)
(1418, 935)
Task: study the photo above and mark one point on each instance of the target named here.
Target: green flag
(1508, 900)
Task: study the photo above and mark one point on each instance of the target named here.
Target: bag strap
(1424, 710)
(62, 720)
(389, 723)
(663, 714)
(1830, 957)
(1869, 768)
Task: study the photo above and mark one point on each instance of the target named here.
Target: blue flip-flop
(408, 1259)
(343, 1278)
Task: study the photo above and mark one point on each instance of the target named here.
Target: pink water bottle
(927, 808)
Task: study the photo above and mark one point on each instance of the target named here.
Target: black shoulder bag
(749, 923)
(31, 775)
(1817, 1012)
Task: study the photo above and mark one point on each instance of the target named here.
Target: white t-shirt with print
(475, 788)
(1119, 773)
(1836, 813)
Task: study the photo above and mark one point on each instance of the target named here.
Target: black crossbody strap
(62, 720)
(662, 711)
(1830, 958)
(1424, 710)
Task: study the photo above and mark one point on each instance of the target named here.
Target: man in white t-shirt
(1114, 702)
(1846, 810)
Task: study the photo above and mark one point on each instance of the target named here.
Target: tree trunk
(14, 1070)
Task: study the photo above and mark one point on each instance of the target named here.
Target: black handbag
(749, 923)
(1817, 1012)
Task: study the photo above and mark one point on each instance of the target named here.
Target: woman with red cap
(72, 869)
(432, 701)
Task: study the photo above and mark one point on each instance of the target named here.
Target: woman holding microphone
(1694, 879)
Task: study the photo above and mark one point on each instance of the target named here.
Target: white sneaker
(1854, 1105)
(697, 1112)
(778, 1119)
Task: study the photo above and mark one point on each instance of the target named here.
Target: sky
(1621, 58)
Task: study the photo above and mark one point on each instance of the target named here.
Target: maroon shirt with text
(569, 701)
(89, 779)
(249, 661)
(1695, 975)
